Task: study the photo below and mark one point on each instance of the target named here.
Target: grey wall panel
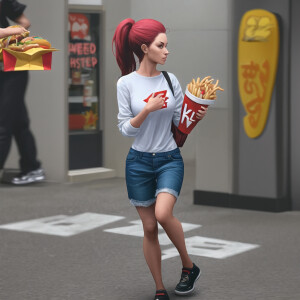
(115, 146)
(257, 159)
(295, 105)
(261, 168)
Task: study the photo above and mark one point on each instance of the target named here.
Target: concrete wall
(295, 105)
(115, 145)
(213, 137)
(46, 93)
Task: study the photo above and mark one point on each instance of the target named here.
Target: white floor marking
(208, 247)
(137, 230)
(63, 225)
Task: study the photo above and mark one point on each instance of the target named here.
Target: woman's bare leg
(151, 245)
(164, 215)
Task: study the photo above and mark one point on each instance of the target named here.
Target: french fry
(202, 81)
(204, 88)
(194, 90)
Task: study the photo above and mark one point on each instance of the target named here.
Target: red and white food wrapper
(190, 106)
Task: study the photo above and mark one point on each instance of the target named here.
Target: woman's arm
(154, 103)
(129, 125)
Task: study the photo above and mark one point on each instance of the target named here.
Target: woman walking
(154, 166)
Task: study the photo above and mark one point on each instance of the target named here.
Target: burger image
(29, 43)
(36, 40)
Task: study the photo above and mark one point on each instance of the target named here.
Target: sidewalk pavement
(106, 262)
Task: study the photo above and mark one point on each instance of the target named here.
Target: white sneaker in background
(30, 177)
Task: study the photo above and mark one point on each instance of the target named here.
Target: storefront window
(83, 72)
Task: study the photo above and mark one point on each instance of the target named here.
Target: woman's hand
(201, 113)
(155, 103)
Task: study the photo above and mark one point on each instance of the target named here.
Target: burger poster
(82, 49)
(258, 49)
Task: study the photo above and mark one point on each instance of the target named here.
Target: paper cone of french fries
(33, 59)
(191, 105)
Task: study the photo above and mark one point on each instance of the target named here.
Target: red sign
(82, 55)
(79, 26)
(82, 52)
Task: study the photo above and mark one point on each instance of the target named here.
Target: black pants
(14, 120)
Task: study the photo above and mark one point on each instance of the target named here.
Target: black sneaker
(161, 295)
(30, 177)
(187, 281)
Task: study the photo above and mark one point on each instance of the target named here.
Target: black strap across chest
(165, 73)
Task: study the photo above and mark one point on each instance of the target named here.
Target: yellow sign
(258, 50)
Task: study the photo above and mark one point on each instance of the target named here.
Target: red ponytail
(128, 39)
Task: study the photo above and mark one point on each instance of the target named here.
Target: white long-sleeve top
(133, 92)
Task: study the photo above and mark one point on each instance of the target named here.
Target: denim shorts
(148, 174)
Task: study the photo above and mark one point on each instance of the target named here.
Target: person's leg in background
(30, 167)
(21, 131)
(14, 92)
(7, 110)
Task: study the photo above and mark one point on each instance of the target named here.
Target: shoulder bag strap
(165, 73)
(179, 137)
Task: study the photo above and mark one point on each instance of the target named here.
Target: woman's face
(157, 52)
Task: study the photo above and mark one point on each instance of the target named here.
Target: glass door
(85, 138)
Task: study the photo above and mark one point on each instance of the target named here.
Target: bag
(178, 136)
